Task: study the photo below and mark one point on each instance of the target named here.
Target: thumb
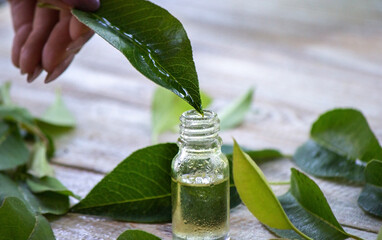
(86, 5)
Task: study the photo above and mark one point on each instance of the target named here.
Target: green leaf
(42, 203)
(48, 184)
(370, 199)
(17, 222)
(308, 210)
(234, 114)
(18, 115)
(138, 189)
(166, 110)
(13, 151)
(137, 235)
(256, 193)
(58, 114)
(379, 237)
(153, 40)
(341, 142)
(259, 156)
(321, 162)
(5, 97)
(347, 133)
(40, 166)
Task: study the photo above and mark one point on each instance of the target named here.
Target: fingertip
(32, 76)
(85, 5)
(93, 5)
(59, 69)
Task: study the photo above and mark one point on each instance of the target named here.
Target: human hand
(45, 38)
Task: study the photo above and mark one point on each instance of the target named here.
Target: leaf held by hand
(166, 109)
(153, 40)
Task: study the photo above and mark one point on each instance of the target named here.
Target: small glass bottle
(200, 180)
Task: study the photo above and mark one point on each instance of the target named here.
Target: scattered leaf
(321, 162)
(42, 203)
(58, 114)
(259, 156)
(379, 237)
(309, 211)
(153, 40)
(18, 115)
(17, 222)
(370, 199)
(255, 192)
(5, 97)
(234, 114)
(48, 184)
(342, 142)
(347, 133)
(137, 235)
(13, 151)
(166, 110)
(40, 166)
(138, 189)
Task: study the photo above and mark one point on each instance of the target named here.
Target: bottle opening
(195, 126)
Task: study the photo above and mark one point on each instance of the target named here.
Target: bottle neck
(199, 133)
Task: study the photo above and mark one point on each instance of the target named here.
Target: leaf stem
(279, 183)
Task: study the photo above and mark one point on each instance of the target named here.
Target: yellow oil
(200, 211)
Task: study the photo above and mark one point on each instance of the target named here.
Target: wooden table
(304, 57)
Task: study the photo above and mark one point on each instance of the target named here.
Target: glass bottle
(200, 180)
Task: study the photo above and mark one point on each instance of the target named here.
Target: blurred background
(302, 57)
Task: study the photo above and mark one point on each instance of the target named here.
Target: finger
(18, 41)
(86, 5)
(57, 3)
(30, 56)
(22, 12)
(59, 69)
(75, 46)
(54, 51)
(77, 29)
(22, 18)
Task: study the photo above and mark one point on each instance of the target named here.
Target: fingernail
(76, 45)
(59, 69)
(35, 74)
(22, 72)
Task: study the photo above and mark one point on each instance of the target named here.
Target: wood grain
(303, 57)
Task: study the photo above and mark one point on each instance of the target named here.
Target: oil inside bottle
(200, 208)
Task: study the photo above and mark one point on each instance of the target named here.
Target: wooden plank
(243, 225)
(305, 58)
